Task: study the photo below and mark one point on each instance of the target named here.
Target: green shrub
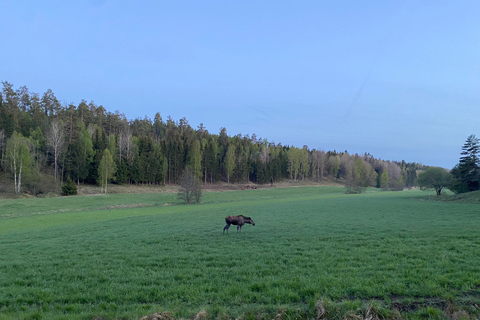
(69, 188)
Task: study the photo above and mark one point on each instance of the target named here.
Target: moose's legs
(239, 227)
(226, 228)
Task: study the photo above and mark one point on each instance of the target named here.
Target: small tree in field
(190, 187)
(435, 178)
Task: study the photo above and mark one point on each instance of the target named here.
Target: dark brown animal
(238, 221)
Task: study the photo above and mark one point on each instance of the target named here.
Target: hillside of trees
(44, 143)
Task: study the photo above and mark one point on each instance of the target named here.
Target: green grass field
(313, 250)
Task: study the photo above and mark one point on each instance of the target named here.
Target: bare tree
(395, 175)
(190, 187)
(317, 161)
(125, 144)
(56, 141)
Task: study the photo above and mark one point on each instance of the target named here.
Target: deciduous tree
(18, 157)
(435, 178)
(384, 180)
(56, 141)
(190, 187)
(106, 170)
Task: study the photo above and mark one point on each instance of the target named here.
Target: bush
(69, 188)
(40, 184)
(354, 189)
(190, 187)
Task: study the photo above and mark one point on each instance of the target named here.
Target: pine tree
(467, 171)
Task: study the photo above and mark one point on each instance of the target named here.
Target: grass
(392, 254)
(448, 196)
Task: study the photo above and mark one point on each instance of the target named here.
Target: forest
(44, 143)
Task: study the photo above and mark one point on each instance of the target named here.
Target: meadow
(315, 253)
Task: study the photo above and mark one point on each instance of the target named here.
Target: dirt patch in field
(428, 308)
(202, 315)
(158, 316)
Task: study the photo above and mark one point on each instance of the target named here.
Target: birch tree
(56, 141)
(106, 170)
(18, 158)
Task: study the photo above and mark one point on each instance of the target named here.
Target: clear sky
(397, 79)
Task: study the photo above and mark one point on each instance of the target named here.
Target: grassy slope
(71, 257)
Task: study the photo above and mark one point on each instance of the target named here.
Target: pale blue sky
(397, 79)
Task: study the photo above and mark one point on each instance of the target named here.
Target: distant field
(315, 252)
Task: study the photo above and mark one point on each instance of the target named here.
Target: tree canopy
(435, 178)
(70, 141)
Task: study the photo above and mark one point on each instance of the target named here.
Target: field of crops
(315, 252)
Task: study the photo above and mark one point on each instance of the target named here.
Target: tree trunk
(55, 156)
(19, 179)
(15, 174)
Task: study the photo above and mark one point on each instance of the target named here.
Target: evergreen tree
(150, 161)
(50, 103)
(99, 141)
(467, 171)
(213, 165)
(80, 154)
(195, 159)
(9, 110)
(229, 164)
(69, 188)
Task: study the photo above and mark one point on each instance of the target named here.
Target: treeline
(43, 141)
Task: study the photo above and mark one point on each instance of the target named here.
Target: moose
(239, 221)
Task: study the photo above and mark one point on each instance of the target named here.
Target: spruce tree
(467, 171)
